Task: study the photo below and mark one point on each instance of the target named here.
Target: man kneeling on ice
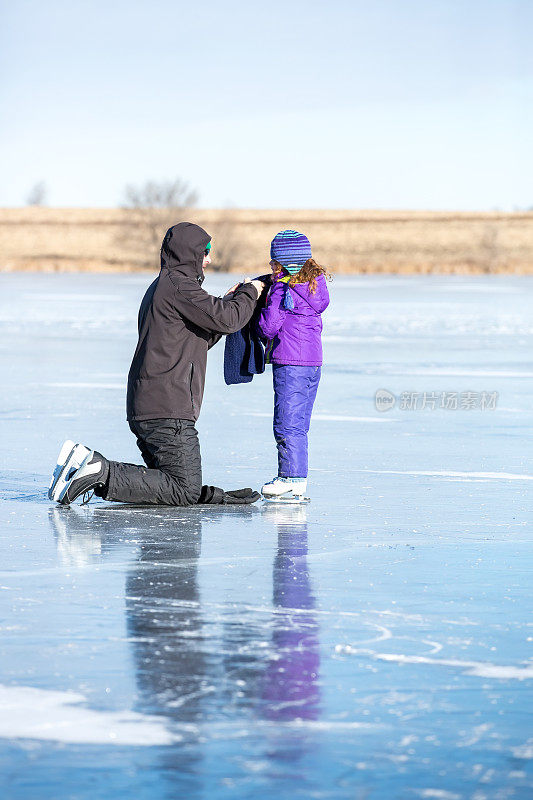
(178, 323)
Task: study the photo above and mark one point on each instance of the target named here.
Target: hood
(183, 249)
(318, 301)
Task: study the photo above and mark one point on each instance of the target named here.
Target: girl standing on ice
(291, 321)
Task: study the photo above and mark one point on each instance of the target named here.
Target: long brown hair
(307, 274)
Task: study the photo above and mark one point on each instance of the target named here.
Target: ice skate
(285, 490)
(70, 458)
(92, 472)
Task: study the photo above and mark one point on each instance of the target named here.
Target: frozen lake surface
(373, 645)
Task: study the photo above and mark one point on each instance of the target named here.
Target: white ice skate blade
(286, 499)
(64, 453)
(70, 459)
(76, 472)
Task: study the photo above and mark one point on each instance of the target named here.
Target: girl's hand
(259, 285)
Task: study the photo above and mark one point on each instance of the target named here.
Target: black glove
(213, 495)
(241, 497)
(240, 492)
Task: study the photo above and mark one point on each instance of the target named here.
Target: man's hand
(232, 289)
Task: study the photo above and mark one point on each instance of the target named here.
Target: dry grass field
(54, 239)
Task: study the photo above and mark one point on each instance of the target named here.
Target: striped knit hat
(291, 249)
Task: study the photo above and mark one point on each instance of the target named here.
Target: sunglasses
(207, 249)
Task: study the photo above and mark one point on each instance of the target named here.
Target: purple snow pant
(294, 394)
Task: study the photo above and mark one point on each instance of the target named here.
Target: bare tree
(226, 242)
(37, 194)
(152, 208)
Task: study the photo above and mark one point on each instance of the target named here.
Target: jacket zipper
(268, 352)
(190, 386)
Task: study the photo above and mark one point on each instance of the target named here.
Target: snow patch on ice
(477, 668)
(467, 373)
(87, 385)
(330, 725)
(319, 417)
(508, 476)
(524, 750)
(30, 713)
(65, 297)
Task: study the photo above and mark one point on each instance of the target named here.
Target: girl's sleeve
(273, 315)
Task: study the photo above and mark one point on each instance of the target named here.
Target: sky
(389, 104)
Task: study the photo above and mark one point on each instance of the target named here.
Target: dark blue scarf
(244, 354)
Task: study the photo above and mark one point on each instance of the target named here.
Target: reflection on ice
(176, 641)
(76, 538)
(170, 630)
(290, 684)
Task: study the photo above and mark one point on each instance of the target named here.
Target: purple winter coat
(294, 334)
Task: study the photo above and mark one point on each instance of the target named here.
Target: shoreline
(346, 242)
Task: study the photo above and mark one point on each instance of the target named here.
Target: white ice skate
(69, 460)
(285, 490)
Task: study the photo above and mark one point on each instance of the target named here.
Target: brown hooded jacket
(178, 322)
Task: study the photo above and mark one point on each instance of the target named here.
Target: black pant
(173, 472)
